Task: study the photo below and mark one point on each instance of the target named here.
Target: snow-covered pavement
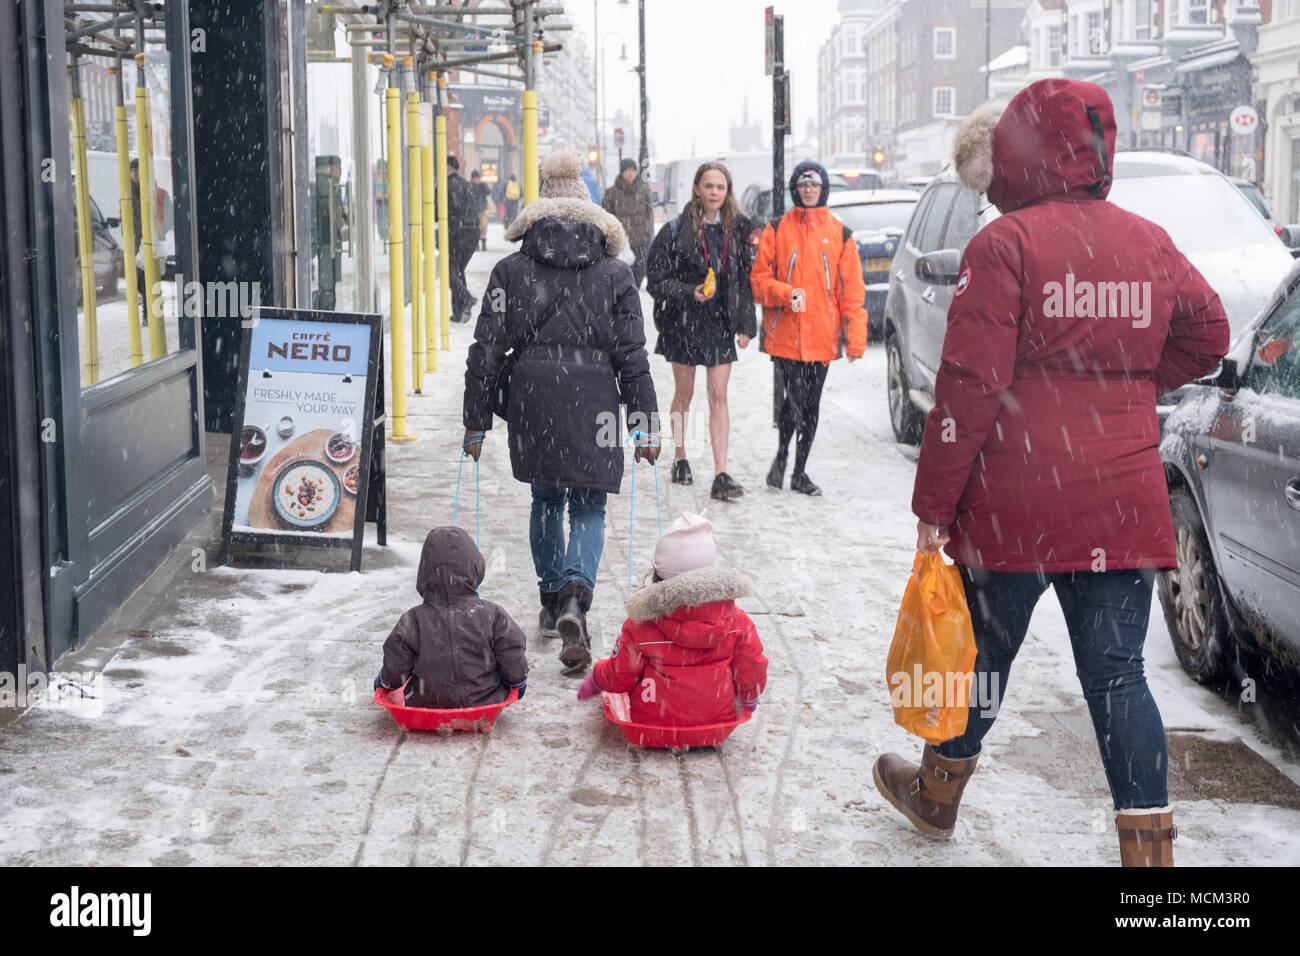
(237, 725)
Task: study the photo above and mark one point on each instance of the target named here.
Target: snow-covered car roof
(858, 197)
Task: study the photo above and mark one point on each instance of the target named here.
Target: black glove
(379, 681)
(521, 687)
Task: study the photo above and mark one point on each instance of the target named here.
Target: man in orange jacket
(808, 278)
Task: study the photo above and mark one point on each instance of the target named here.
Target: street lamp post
(645, 146)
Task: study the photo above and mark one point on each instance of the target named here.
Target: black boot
(801, 483)
(776, 474)
(725, 488)
(546, 619)
(682, 472)
(574, 601)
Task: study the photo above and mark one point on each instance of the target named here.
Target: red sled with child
(455, 661)
(688, 666)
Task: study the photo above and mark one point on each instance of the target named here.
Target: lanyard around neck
(726, 247)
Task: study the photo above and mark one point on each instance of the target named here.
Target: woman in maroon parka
(1040, 464)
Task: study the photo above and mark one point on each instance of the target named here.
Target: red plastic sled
(443, 721)
(677, 739)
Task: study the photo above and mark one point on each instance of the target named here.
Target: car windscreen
(875, 216)
(1256, 200)
(1201, 213)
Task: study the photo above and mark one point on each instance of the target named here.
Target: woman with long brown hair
(699, 321)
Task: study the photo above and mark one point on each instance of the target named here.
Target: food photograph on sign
(300, 455)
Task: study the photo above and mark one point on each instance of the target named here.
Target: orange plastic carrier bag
(932, 659)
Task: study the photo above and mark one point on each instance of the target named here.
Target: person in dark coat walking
(699, 325)
(1040, 463)
(462, 220)
(566, 306)
(454, 649)
(630, 201)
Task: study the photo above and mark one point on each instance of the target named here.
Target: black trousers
(638, 266)
(464, 243)
(800, 406)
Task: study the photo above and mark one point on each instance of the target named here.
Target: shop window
(112, 337)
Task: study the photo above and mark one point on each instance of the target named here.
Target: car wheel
(1192, 597)
(903, 415)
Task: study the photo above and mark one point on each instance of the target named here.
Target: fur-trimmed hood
(688, 589)
(574, 210)
(1055, 137)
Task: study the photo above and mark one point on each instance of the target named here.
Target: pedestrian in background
(462, 221)
(699, 325)
(512, 194)
(630, 201)
(808, 278)
(1040, 463)
(482, 193)
(566, 307)
(592, 182)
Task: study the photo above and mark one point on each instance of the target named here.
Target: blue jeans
(1106, 613)
(557, 564)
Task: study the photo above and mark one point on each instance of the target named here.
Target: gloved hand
(588, 688)
(521, 687)
(797, 300)
(647, 449)
(379, 681)
(472, 445)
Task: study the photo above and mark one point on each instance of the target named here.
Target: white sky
(702, 58)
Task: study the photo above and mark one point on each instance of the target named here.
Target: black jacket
(462, 204)
(457, 649)
(588, 355)
(676, 266)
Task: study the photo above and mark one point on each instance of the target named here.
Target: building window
(1054, 46)
(945, 43)
(1197, 11)
(1096, 36)
(945, 101)
(1142, 20)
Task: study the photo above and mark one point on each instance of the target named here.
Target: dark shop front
(107, 211)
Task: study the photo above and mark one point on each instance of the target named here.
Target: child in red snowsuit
(686, 655)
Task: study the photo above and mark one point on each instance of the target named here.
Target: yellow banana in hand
(710, 283)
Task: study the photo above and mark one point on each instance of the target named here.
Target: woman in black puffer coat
(570, 309)
(696, 328)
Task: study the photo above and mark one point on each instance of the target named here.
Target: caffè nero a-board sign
(306, 452)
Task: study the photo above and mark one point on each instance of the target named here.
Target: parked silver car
(1231, 451)
(1207, 218)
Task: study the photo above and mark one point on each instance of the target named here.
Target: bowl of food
(340, 448)
(305, 494)
(252, 445)
(350, 480)
(285, 427)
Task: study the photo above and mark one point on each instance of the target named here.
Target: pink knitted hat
(686, 546)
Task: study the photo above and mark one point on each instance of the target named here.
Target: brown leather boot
(927, 795)
(1146, 837)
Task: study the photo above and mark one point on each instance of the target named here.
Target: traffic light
(593, 156)
(878, 155)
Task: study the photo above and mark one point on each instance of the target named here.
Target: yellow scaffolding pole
(444, 231)
(417, 239)
(148, 202)
(128, 234)
(530, 139)
(396, 283)
(86, 245)
(430, 260)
